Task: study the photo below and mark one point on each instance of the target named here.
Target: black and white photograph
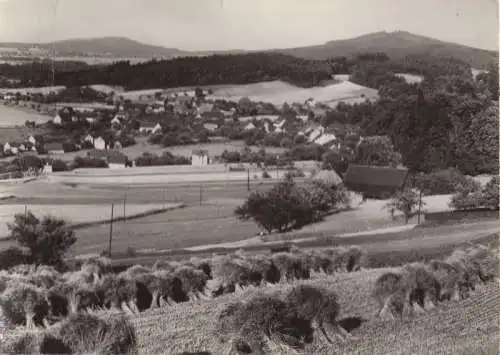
(225, 177)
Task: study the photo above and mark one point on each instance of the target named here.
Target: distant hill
(396, 44)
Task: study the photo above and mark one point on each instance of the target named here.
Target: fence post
(111, 230)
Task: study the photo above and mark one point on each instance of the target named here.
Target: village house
(210, 126)
(150, 128)
(116, 122)
(100, 143)
(54, 148)
(249, 127)
(88, 138)
(57, 120)
(200, 157)
(32, 140)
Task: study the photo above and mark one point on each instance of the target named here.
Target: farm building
(375, 181)
(54, 148)
(200, 157)
(32, 140)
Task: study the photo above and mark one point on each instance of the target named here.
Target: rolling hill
(395, 44)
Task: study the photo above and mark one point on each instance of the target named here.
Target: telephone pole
(111, 229)
(248, 179)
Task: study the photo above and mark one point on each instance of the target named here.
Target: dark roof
(364, 178)
(53, 146)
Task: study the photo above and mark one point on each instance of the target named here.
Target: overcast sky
(247, 24)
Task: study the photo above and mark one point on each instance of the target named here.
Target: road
(426, 237)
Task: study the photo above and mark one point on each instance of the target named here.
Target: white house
(74, 119)
(116, 121)
(6, 147)
(99, 143)
(200, 157)
(249, 127)
(57, 120)
(210, 126)
(32, 140)
(325, 139)
(90, 119)
(316, 133)
(88, 138)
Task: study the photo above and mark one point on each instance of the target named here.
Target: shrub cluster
(442, 182)
(474, 197)
(167, 158)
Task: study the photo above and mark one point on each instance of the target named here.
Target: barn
(375, 181)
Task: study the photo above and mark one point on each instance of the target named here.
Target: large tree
(377, 151)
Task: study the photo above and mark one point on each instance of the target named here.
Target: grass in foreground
(465, 327)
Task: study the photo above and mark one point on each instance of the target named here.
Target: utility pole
(419, 205)
(248, 179)
(164, 197)
(201, 194)
(111, 229)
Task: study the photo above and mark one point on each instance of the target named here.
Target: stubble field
(456, 327)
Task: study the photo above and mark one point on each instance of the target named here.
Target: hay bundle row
(421, 286)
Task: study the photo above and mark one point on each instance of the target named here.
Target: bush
(405, 201)
(89, 162)
(477, 197)
(47, 239)
(59, 165)
(442, 182)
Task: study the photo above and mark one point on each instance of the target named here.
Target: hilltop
(395, 44)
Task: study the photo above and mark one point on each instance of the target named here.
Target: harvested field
(278, 93)
(13, 116)
(465, 327)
